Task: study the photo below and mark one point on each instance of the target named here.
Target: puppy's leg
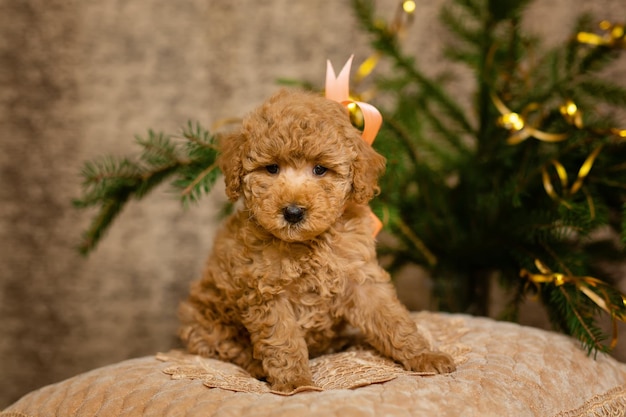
(279, 344)
(205, 334)
(388, 327)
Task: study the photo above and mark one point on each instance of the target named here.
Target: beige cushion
(503, 370)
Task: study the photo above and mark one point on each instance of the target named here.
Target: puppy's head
(297, 161)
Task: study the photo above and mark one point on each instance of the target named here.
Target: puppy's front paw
(432, 361)
(290, 385)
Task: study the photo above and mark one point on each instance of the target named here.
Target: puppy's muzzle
(293, 214)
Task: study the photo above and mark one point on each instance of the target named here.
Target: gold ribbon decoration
(562, 174)
(613, 36)
(521, 129)
(573, 115)
(595, 289)
(519, 126)
(618, 132)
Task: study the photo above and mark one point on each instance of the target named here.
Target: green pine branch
(109, 183)
(385, 42)
(465, 208)
(576, 317)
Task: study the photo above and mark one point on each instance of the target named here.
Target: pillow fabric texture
(503, 369)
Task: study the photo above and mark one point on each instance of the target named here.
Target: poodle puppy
(297, 262)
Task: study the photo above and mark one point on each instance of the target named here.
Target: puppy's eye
(272, 169)
(319, 170)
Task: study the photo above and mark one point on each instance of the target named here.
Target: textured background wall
(79, 79)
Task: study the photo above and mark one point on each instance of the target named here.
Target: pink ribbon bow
(338, 89)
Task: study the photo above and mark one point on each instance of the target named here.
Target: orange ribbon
(338, 89)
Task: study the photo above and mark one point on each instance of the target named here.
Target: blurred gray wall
(78, 79)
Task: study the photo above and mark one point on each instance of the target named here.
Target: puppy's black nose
(293, 214)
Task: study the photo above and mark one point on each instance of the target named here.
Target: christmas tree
(516, 188)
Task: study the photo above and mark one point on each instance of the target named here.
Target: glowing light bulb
(409, 6)
(512, 121)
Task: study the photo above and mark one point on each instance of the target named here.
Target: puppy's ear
(367, 168)
(230, 162)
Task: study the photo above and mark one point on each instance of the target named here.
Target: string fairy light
(613, 36)
(409, 6)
